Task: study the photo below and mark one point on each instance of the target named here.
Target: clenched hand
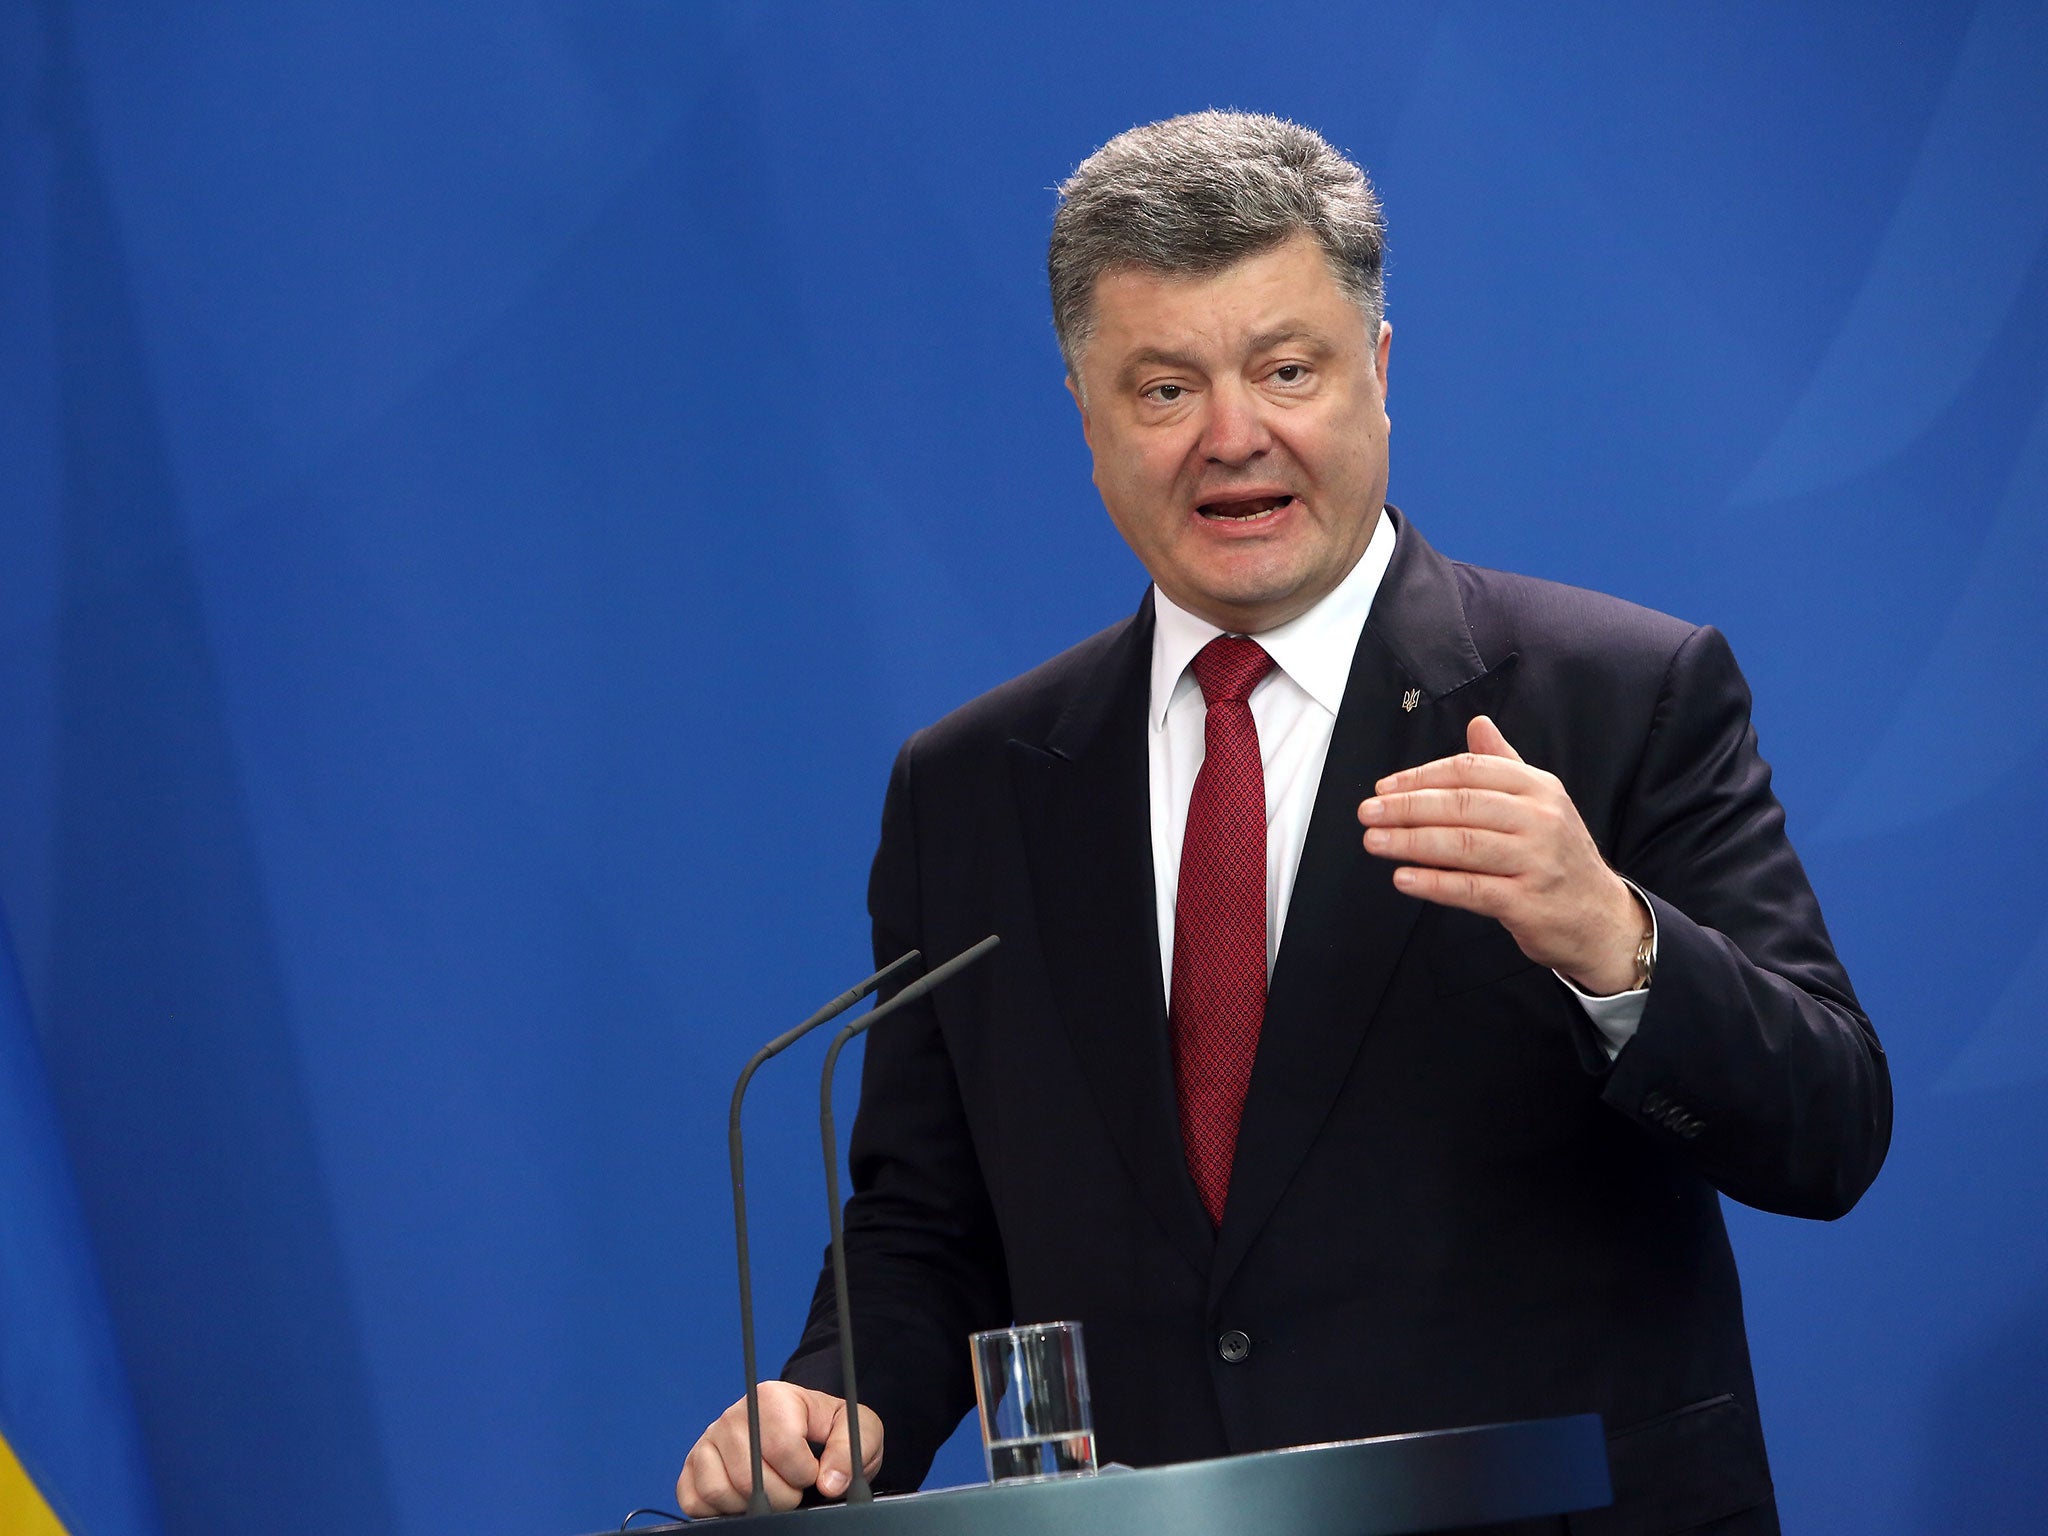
(718, 1473)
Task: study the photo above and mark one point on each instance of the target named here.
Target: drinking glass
(1032, 1385)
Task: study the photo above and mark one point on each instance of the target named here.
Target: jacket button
(1692, 1127)
(1233, 1345)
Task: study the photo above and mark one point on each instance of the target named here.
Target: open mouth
(1249, 510)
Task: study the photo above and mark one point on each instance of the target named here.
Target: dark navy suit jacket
(1448, 1206)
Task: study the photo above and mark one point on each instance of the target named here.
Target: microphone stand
(757, 1499)
(857, 1490)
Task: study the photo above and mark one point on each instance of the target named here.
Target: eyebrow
(1265, 341)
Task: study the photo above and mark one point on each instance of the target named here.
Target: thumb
(1484, 737)
(835, 1461)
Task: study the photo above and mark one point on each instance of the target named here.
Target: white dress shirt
(1295, 709)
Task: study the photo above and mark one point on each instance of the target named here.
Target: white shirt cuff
(1616, 1016)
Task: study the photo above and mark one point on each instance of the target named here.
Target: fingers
(1484, 831)
(703, 1488)
(1488, 895)
(1459, 807)
(1479, 829)
(836, 1461)
(1484, 737)
(1470, 812)
(1468, 848)
(787, 1415)
(717, 1475)
(1474, 770)
(718, 1472)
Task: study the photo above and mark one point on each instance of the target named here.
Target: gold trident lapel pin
(1410, 699)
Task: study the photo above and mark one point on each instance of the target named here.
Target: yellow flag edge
(23, 1510)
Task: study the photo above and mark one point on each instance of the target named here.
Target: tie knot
(1229, 668)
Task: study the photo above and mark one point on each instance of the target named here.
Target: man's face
(1239, 428)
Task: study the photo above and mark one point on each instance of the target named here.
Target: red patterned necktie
(1219, 921)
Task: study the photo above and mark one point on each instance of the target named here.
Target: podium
(1394, 1485)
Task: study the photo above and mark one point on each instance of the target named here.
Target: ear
(1381, 352)
(1081, 404)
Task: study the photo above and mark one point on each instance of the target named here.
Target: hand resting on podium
(717, 1475)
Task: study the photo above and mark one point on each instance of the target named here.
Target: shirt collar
(1314, 648)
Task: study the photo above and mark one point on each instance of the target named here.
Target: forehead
(1284, 290)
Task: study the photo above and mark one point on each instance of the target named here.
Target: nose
(1235, 430)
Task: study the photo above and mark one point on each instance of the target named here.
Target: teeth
(1245, 511)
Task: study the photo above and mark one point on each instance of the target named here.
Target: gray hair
(1195, 194)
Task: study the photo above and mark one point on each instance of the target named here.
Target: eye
(1165, 394)
(1291, 373)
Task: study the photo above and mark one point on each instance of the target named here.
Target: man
(1326, 1132)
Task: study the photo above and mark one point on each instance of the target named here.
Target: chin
(1254, 594)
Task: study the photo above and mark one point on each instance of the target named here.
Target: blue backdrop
(485, 489)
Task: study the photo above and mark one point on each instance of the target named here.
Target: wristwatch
(1646, 946)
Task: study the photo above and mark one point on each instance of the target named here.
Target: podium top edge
(1402, 1484)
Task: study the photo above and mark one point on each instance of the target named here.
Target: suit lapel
(1416, 679)
(1084, 798)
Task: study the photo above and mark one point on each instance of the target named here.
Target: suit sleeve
(924, 1263)
(1753, 1056)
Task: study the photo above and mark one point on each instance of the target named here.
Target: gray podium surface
(1392, 1486)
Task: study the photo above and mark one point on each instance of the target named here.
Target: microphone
(757, 1501)
(857, 1490)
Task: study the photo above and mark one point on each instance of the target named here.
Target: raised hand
(1484, 831)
